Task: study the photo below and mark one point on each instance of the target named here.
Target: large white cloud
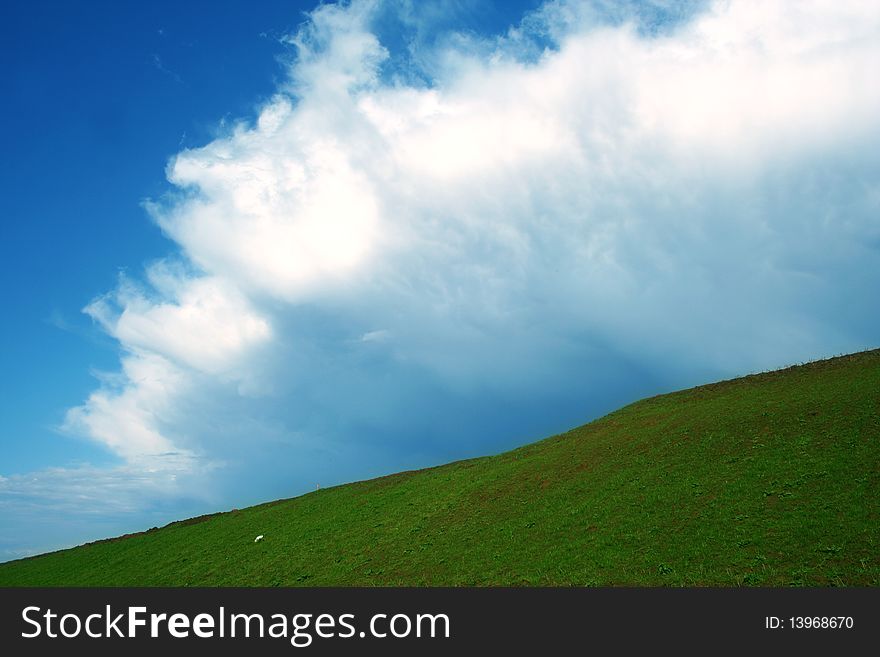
(693, 201)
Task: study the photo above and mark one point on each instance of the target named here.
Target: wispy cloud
(157, 63)
(94, 490)
(59, 507)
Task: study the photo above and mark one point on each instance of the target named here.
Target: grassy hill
(772, 479)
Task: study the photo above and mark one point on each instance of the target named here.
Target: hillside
(772, 479)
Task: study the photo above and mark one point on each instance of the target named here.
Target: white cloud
(696, 201)
(200, 322)
(56, 508)
(275, 223)
(759, 75)
(379, 335)
(126, 420)
(458, 205)
(89, 490)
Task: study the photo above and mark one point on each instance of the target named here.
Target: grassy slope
(771, 479)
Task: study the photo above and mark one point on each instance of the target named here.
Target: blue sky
(248, 249)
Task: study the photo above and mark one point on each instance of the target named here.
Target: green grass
(772, 479)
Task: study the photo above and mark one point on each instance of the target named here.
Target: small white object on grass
(258, 538)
